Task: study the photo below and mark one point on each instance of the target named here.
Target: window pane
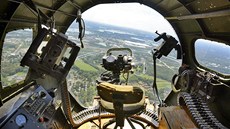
(100, 37)
(213, 55)
(15, 46)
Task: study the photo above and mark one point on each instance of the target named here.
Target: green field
(160, 82)
(84, 66)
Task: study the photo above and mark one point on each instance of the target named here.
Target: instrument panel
(38, 111)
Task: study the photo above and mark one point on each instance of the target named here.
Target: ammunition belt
(87, 115)
(91, 114)
(148, 116)
(200, 111)
(67, 104)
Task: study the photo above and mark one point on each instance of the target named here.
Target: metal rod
(95, 123)
(130, 123)
(19, 20)
(137, 122)
(201, 16)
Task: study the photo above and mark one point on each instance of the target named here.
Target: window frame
(18, 82)
(202, 67)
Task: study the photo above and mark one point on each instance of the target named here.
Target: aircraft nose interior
(75, 73)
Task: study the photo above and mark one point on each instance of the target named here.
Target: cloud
(131, 15)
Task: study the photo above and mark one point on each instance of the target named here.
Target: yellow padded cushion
(127, 94)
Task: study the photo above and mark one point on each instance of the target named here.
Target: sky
(131, 15)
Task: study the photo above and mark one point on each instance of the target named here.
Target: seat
(122, 100)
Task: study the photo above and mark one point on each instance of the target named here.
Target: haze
(131, 15)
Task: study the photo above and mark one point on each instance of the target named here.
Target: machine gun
(115, 65)
(166, 46)
(163, 49)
